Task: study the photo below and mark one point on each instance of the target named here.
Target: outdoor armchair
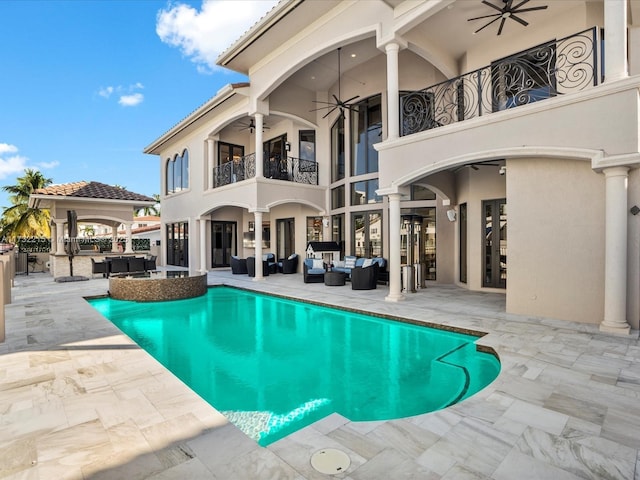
(364, 278)
(251, 267)
(238, 265)
(289, 264)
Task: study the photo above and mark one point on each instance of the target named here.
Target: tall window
(314, 229)
(178, 244)
(307, 146)
(178, 173)
(366, 130)
(337, 197)
(337, 231)
(462, 225)
(365, 192)
(366, 236)
(337, 150)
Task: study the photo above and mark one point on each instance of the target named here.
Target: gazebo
(93, 202)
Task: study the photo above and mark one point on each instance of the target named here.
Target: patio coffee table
(334, 279)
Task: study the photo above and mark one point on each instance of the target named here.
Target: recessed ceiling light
(353, 55)
(313, 77)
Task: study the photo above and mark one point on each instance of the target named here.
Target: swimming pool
(273, 365)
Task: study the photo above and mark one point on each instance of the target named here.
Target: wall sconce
(451, 215)
(635, 210)
(325, 222)
(503, 170)
(287, 146)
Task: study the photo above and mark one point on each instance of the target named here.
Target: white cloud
(11, 164)
(131, 100)
(47, 165)
(203, 34)
(105, 91)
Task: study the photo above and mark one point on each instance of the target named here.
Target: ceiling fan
(337, 103)
(251, 126)
(506, 11)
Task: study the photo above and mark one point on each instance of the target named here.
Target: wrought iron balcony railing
(290, 169)
(548, 70)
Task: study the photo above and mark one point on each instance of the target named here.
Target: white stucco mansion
(464, 123)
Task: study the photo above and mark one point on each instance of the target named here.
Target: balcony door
(495, 243)
(223, 243)
(275, 158)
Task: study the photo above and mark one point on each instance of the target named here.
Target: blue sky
(85, 85)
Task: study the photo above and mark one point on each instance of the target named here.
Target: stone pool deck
(79, 400)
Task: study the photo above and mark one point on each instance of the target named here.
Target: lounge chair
(289, 264)
(365, 277)
(150, 263)
(238, 265)
(313, 270)
(98, 267)
(136, 264)
(251, 267)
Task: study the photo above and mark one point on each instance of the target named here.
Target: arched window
(178, 173)
(169, 172)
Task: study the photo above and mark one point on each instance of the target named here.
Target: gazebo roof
(96, 191)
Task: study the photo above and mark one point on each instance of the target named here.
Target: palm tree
(152, 210)
(20, 220)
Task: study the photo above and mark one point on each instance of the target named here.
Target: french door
(223, 243)
(495, 243)
(286, 238)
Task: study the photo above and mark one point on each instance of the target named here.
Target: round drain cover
(330, 461)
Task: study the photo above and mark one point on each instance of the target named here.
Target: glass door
(223, 244)
(286, 243)
(495, 243)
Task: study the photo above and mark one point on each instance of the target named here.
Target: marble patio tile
(330, 423)
(404, 436)
(520, 388)
(557, 375)
(75, 445)
(17, 455)
(365, 427)
(40, 419)
(174, 455)
(460, 472)
(297, 449)
(436, 461)
(258, 464)
(584, 458)
(47, 358)
(128, 439)
(363, 445)
(144, 415)
(121, 466)
(538, 417)
(84, 408)
(582, 408)
(577, 427)
(222, 445)
(623, 426)
(519, 466)
(193, 469)
(177, 429)
(53, 470)
(439, 422)
(477, 445)
(390, 463)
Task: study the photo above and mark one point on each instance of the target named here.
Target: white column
(129, 242)
(257, 229)
(59, 237)
(393, 91)
(114, 238)
(54, 238)
(395, 284)
(259, 154)
(208, 183)
(203, 244)
(615, 268)
(615, 40)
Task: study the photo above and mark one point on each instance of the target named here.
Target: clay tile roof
(92, 190)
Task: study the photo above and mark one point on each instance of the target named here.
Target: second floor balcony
(554, 68)
(289, 169)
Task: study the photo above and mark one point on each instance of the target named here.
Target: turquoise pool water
(273, 365)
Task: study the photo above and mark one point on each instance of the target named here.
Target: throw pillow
(265, 257)
(292, 256)
(338, 264)
(367, 262)
(318, 263)
(349, 262)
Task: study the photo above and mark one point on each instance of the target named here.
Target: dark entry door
(495, 243)
(223, 243)
(286, 228)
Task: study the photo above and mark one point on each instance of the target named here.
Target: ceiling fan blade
(484, 16)
(523, 2)
(329, 112)
(492, 5)
(501, 25)
(507, 7)
(519, 20)
(494, 20)
(320, 101)
(351, 99)
(531, 9)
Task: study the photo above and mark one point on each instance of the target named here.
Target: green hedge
(43, 245)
